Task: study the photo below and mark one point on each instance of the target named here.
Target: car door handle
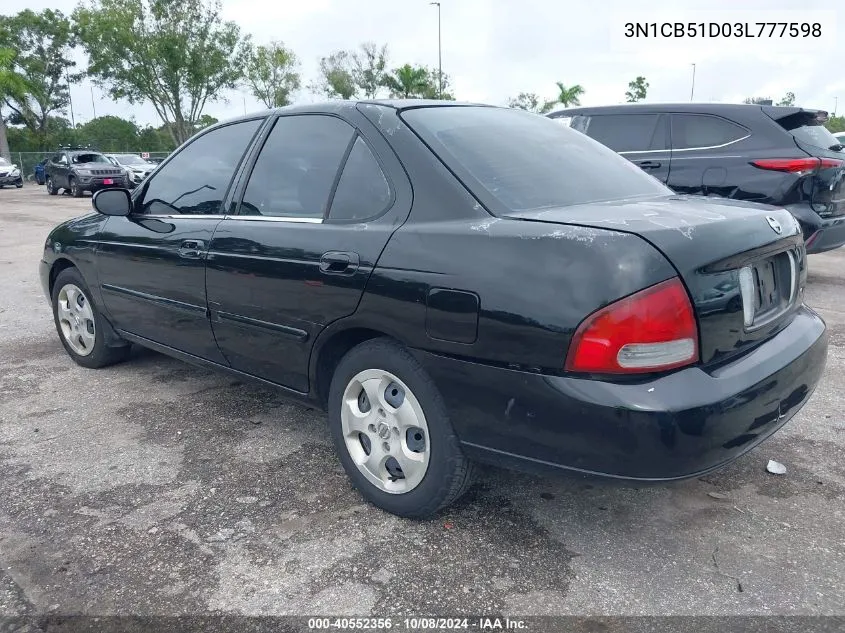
(339, 263)
(192, 249)
(648, 164)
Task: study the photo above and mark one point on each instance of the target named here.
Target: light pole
(692, 89)
(70, 99)
(439, 55)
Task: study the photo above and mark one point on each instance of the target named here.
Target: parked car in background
(155, 161)
(136, 167)
(783, 156)
(373, 259)
(10, 174)
(840, 136)
(79, 169)
(39, 173)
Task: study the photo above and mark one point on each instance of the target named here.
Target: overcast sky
(494, 49)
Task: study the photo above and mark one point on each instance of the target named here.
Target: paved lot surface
(154, 487)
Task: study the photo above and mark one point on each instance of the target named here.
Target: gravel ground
(154, 487)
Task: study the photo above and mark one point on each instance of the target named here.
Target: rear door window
(623, 132)
(296, 169)
(691, 131)
(362, 191)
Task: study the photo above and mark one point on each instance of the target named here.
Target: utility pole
(439, 55)
(93, 107)
(692, 89)
(70, 99)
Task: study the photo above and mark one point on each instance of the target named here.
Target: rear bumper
(673, 427)
(820, 234)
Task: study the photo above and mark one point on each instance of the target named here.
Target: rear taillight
(651, 330)
(800, 166)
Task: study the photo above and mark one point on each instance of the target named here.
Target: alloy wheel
(385, 431)
(76, 319)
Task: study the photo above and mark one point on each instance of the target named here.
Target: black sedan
(452, 283)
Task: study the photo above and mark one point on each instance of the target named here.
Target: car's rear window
(525, 161)
(807, 128)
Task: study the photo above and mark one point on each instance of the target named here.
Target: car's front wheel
(19, 184)
(75, 189)
(80, 325)
(392, 432)
(51, 187)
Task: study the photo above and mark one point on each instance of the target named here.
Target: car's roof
(338, 105)
(715, 108)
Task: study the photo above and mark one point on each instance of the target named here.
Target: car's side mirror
(112, 202)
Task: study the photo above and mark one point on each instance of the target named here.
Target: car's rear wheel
(80, 325)
(392, 432)
(51, 187)
(75, 190)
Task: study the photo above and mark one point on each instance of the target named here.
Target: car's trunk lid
(708, 242)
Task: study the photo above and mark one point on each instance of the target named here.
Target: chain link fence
(27, 161)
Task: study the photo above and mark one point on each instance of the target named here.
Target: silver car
(10, 174)
(136, 167)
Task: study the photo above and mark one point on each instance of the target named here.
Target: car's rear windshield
(526, 161)
(806, 127)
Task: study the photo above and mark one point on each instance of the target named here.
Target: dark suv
(776, 155)
(78, 169)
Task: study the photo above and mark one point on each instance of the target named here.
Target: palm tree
(569, 96)
(12, 85)
(408, 82)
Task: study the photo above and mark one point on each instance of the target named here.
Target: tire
(75, 189)
(447, 473)
(84, 347)
(51, 189)
(19, 184)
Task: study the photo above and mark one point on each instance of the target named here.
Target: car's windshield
(89, 158)
(526, 161)
(130, 159)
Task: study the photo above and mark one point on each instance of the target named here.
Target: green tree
(788, 99)
(177, 55)
(151, 139)
(206, 120)
(12, 86)
(272, 74)
(109, 134)
(337, 76)
(369, 65)
(44, 44)
(637, 90)
(409, 82)
(568, 96)
(835, 124)
(57, 131)
(526, 101)
(433, 90)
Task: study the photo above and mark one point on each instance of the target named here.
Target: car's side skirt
(302, 397)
